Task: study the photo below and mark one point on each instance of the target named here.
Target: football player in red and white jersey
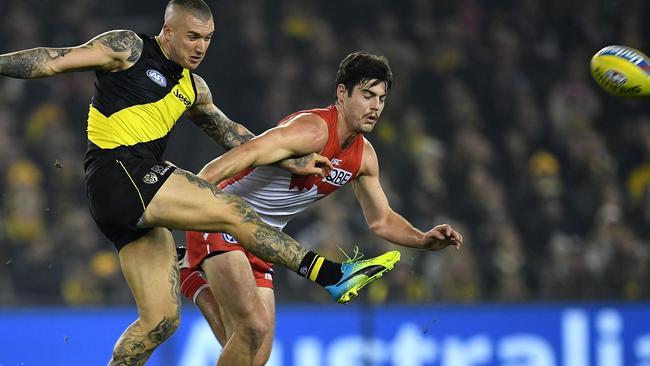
(240, 306)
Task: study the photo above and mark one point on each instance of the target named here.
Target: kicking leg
(187, 202)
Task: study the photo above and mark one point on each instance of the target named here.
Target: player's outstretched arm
(111, 51)
(230, 134)
(387, 223)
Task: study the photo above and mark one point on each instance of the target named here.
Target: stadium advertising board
(445, 335)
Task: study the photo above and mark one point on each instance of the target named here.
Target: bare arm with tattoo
(213, 121)
(230, 134)
(111, 51)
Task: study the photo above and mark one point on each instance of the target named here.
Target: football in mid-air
(622, 71)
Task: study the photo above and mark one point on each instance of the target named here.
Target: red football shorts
(202, 245)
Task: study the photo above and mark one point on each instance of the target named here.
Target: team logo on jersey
(157, 77)
(160, 169)
(150, 178)
(338, 177)
(229, 239)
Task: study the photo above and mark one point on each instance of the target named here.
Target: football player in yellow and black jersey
(143, 86)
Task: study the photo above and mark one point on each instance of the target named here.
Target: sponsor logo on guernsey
(229, 239)
(338, 177)
(160, 169)
(336, 161)
(183, 98)
(150, 178)
(157, 77)
(268, 276)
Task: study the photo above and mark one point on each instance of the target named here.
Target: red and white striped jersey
(277, 195)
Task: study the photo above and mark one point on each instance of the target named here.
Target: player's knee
(239, 210)
(165, 328)
(255, 335)
(255, 329)
(160, 325)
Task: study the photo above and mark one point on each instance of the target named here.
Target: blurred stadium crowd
(494, 125)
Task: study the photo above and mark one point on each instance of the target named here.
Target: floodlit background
(494, 125)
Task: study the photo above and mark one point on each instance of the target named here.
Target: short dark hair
(359, 67)
(198, 8)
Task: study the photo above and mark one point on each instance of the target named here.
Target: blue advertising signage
(444, 335)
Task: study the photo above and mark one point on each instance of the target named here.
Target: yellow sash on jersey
(141, 122)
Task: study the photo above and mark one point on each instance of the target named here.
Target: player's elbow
(211, 172)
(254, 154)
(381, 222)
(378, 225)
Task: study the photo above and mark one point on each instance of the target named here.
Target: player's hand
(311, 164)
(441, 237)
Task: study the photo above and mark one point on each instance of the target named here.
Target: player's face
(189, 40)
(364, 106)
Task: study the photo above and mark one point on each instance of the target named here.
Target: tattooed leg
(135, 345)
(150, 268)
(252, 233)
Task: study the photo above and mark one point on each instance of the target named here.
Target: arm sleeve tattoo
(213, 122)
(31, 63)
(125, 46)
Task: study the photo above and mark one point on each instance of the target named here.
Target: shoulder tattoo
(123, 41)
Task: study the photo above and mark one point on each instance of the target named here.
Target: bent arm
(305, 134)
(214, 122)
(111, 51)
(380, 217)
(387, 223)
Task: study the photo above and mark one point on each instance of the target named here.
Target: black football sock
(320, 270)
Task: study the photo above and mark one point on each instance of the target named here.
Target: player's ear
(341, 92)
(167, 30)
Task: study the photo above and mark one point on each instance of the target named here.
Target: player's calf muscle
(275, 246)
(134, 347)
(164, 329)
(240, 208)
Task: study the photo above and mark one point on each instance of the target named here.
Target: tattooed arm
(212, 121)
(272, 146)
(111, 51)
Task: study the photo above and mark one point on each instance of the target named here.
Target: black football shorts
(119, 188)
